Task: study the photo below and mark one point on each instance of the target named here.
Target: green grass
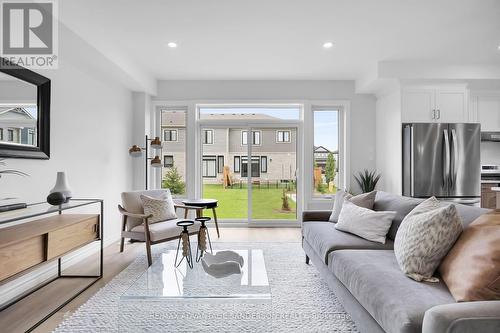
(233, 203)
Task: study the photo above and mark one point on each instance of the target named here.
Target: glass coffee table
(187, 299)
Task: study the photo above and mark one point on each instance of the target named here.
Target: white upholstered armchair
(136, 224)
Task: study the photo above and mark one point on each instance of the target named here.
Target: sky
(325, 122)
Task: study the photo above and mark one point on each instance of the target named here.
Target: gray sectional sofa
(373, 289)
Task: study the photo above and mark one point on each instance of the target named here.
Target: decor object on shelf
(222, 264)
(136, 151)
(367, 180)
(186, 244)
(56, 198)
(62, 186)
(203, 236)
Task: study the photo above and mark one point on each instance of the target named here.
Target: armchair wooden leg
(148, 251)
(124, 225)
(307, 260)
(122, 244)
(185, 213)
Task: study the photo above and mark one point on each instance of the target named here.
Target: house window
(169, 135)
(255, 138)
(263, 164)
(282, 136)
(1, 133)
(220, 164)
(168, 161)
(208, 137)
(255, 167)
(325, 152)
(237, 163)
(208, 167)
(10, 135)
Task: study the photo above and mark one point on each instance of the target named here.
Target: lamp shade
(135, 151)
(156, 143)
(156, 162)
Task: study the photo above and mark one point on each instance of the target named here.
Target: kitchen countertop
(490, 181)
(497, 189)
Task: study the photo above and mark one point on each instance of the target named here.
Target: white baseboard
(17, 287)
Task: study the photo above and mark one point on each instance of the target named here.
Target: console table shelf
(27, 242)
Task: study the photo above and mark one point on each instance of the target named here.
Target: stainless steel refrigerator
(442, 160)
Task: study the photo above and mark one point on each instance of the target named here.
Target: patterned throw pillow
(425, 236)
(161, 208)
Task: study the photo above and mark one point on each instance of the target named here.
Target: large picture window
(325, 152)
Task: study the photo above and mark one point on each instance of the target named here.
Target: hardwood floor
(21, 316)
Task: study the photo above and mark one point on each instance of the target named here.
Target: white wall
(388, 142)
(362, 131)
(91, 122)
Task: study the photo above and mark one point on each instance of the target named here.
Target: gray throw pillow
(365, 223)
(161, 208)
(424, 238)
(365, 200)
(340, 196)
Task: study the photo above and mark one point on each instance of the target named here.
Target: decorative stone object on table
(203, 236)
(186, 244)
(222, 264)
(56, 198)
(62, 186)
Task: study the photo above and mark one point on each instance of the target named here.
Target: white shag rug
(301, 302)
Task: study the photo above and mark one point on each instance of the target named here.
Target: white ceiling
(282, 39)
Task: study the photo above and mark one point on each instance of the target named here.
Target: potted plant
(367, 180)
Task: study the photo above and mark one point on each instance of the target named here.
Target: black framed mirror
(24, 113)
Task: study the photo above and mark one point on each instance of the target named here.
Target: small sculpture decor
(222, 264)
(203, 237)
(186, 244)
(62, 186)
(56, 198)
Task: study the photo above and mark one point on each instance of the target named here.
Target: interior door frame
(249, 126)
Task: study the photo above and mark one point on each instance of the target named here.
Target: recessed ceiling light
(328, 45)
(172, 45)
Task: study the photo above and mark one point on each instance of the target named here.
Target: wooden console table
(43, 233)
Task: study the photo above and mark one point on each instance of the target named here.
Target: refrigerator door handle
(454, 164)
(446, 159)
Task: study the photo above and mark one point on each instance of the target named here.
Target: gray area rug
(301, 302)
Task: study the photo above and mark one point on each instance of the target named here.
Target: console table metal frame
(95, 278)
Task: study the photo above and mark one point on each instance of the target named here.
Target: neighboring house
(273, 149)
(321, 155)
(17, 126)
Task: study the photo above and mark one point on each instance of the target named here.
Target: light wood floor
(21, 316)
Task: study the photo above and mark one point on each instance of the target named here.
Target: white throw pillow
(161, 208)
(337, 204)
(365, 223)
(424, 238)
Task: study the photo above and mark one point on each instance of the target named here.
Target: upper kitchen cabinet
(442, 104)
(485, 109)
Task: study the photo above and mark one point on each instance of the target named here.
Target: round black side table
(204, 204)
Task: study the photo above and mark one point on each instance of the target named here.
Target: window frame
(220, 166)
(205, 136)
(171, 131)
(283, 131)
(237, 164)
(242, 143)
(262, 159)
(207, 158)
(10, 132)
(164, 161)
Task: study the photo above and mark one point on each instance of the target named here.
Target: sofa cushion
(392, 202)
(374, 278)
(165, 229)
(324, 238)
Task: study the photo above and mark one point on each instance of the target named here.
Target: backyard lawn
(233, 202)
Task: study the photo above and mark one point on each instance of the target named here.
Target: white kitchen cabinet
(485, 109)
(443, 105)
